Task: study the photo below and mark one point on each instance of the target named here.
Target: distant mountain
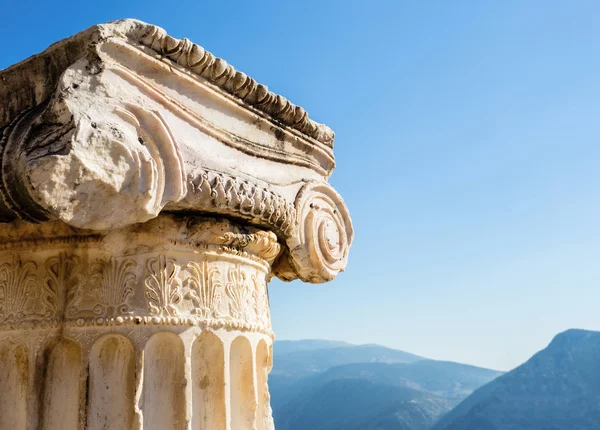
(323, 385)
(452, 381)
(557, 389)
(357, 404)
(283, 347)
(310, 357)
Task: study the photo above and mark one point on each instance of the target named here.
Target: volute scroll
(319, 245)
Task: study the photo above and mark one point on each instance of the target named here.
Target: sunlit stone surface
(149, 192)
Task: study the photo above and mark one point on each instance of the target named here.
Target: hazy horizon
(467, 151)
(405, 350)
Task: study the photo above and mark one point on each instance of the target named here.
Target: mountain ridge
(558, 388)
(411, 391)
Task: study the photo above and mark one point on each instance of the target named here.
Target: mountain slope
(557, 389)
(294, 362)
(353, 404)
(442, 378)
(366, 387)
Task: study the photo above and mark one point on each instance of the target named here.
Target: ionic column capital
(127, 122)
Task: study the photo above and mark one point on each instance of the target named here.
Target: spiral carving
(320, 244)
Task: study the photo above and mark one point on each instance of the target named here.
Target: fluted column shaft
(161, 325)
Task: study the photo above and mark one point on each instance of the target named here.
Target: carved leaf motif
(60, 288)
(202, 187)
(162, 286)
(203, 289)
(238, 291)
(260, 201)
(248, 199)
(260, 297)
(219, 193)
(17, 288)
(256, 299)
(112, 286)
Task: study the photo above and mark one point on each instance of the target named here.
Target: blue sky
(467, 143)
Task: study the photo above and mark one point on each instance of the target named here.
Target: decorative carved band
(207, 272)
(217, 71)
(205, 292)
(226, 194)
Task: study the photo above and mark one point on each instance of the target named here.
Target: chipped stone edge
(200, 62)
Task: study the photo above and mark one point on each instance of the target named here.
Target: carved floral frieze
(155, 289)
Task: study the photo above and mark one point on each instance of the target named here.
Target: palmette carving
(204, 289)
(215, 276)
(218, 294)
(218, 278)
(239, 294)
(163, 289)
(113, 286)
(61, 284)
(17, 289)
(260, 301)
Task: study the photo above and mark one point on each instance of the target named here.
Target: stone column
(149, 193)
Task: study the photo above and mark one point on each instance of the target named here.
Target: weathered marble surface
(124, 116)
(149, 191)
(157, 325)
